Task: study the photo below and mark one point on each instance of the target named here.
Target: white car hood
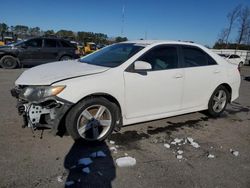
(52, 72)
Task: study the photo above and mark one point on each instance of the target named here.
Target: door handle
(178, 76)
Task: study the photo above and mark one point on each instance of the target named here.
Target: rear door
(200, 74)
(50, 50)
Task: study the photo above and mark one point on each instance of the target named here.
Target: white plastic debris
(113, 149)
(85, 161)
(177, 140)
(179, 157)
(125, 161)
(69, 183)
(211, 156)
(195, 144)
(98, 154)
(112, 142)
(235, 153)
(192, 142)
(190, 139)
(173, 143)
(166, 145)
(60, 179)
(180, 152)
(86, 170)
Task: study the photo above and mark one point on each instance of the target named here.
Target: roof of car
(149, 42)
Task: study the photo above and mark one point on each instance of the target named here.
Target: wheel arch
(61, 129)
(229, 89)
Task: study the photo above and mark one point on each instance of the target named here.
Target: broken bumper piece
(45, 114)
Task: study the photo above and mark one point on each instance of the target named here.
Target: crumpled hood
(52, 72)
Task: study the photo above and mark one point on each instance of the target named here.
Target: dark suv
(36, 51)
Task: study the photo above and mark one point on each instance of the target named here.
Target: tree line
(239, 20)
(24, 32)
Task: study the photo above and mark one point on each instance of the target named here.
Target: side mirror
(142, 66)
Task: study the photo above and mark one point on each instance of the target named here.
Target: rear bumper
(47, 114)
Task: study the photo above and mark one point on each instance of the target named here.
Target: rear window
(66, 44)
(50, 43)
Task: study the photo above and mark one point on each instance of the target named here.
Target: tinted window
(50, 43)
(193, 57)
(161, 58)
(65, 44)
(35, 43)
(234, 56)
(211, 61)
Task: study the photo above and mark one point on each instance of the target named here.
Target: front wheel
(218, 101)
(8, 62)
(92, 119)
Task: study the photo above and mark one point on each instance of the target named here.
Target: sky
(192, 20)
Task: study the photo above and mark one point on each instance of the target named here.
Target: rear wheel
(91, 120)
(8, 62)
(65, 58)
(218, 101)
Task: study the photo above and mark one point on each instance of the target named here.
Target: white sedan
(123, 84)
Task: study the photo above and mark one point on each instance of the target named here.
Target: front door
(158, 90)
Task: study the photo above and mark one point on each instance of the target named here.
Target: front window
(113, 55)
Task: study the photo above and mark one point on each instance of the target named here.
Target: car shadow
(102, 169)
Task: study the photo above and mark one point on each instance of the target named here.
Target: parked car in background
(123, 84)
(234, 59)
(36, 51)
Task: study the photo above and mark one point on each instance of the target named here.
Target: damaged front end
(40, 107)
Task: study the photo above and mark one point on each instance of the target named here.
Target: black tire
(74, 114)
(8, 62)
(65, 58)
(212, 102)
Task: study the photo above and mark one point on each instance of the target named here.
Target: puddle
(128, 139)
(177, 126)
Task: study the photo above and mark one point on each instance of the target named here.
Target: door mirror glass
(142, 65)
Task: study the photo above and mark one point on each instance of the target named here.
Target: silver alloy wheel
(219, 101)
(94, 122)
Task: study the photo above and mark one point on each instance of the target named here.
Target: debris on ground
(179, 156)
(112, 142)
(210, 156)
(125, 161)
(86, 170)
(60, 179)
(235, 153)
(97, 154)
(113, 149)
(69, 183)
(192, 142)
(85, 161)
(125, 154)
(180, 152)
(166, 145)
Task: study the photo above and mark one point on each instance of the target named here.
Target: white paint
(158, 94)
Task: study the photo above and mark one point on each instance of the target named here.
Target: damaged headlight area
(40, 93)
(40, 106)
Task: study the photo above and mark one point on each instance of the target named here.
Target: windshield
(112, 56)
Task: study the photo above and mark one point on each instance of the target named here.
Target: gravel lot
(36, 160)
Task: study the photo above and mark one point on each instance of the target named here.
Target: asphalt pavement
(42, 160)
